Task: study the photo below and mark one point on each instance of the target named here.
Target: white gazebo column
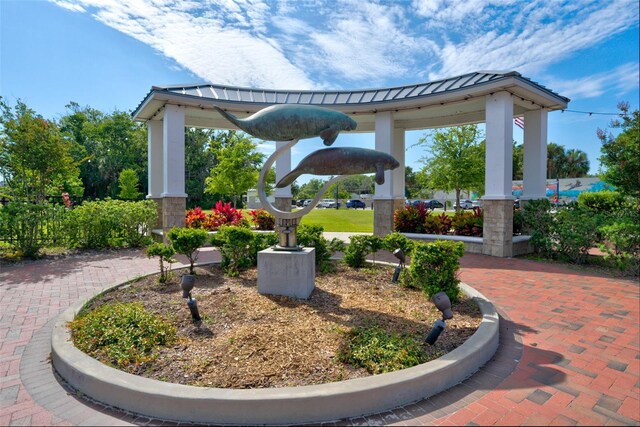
(283, 167)
(155, 165)
(498, 200)
(535, 155)
(174, 198)
(390, 195)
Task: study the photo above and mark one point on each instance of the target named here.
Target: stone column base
(283, 204)
(497, 229)
(158, 223)
(173, 212)
(383, 210)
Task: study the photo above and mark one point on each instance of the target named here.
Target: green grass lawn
(357, 221)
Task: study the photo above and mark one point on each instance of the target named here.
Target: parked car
(429, 204)
(477, 203)
(306, 202)
(465, 204)
(300, 203)
(327, 203)
(356, 204)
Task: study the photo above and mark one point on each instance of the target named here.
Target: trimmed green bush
(574, 231)
(601, 201)
(434, 268)
(395, 240)
(236, 245)
(537, 222)
(164, 253)
(187, 241)
(622, 244)
(124, 334)
(111, 223)
(311, 236)
(379, 351)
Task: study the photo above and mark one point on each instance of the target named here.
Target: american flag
(519, 121)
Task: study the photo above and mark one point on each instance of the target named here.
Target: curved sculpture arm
(263, 195)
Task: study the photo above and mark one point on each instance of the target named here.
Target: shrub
(622, 243)
(601, 201)
(187, 241)
(395, 240)
(124, 334)
(575, 230)
(236, 245)
(356, 252)
(518, 221)
(195, 218)
(311, 236)
(164, 253)
(29, 227)
(262, 241)
(410, 219)
(112, 223)
(379, 351)
(128, 182)
(434, 268)
(468, 223)
(262, 219)
(537, 222)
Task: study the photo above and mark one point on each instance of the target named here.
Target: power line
(590, 112)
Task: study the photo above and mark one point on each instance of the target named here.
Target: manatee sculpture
(342, 161)
(286, 122)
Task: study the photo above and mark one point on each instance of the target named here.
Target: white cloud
(618, 81)
(356, 43)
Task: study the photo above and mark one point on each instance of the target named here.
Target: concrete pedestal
(287, 273)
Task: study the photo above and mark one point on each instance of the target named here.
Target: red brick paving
(576, 334)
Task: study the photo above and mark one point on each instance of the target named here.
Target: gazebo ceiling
(447, 102)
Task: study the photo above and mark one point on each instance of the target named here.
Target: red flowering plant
(262, 219)
(195, 218)
(411, 219)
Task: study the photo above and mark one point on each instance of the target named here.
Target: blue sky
(108, 53)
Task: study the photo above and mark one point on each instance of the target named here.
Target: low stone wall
(288, 405)
(474, 245)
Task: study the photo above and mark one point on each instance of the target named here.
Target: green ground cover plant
(379, 351)
(125, 334)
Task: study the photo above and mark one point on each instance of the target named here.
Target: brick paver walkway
(569, 352)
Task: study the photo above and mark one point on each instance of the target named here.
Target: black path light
(187, 286)
(442, 302)
(401, 258)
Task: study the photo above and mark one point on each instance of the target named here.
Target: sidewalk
(569, 352)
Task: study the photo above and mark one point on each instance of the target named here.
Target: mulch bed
(249, 340)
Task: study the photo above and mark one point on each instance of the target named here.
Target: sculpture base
(288, 273)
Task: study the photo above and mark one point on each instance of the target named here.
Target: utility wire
(590, 112)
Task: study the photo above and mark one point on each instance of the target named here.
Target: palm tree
(576, 164)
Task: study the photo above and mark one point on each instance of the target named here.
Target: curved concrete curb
(289, 405)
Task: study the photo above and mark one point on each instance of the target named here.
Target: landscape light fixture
(398, 253)
(442, 303)
(187, 286)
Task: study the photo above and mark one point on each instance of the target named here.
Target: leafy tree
(563, 163)
(129, 183)
(310, 189)
(199, 158)
(110, 143)
(621, 155)
(237, 166)
(33, 153)
(555, 158)
(518, 161)
(576, 164)
(456, 160)
(412, 189)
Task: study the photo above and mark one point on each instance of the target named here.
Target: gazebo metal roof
(450, 101)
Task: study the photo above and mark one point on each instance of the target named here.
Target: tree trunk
(457, 200)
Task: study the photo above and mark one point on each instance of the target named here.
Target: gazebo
(489, 97)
